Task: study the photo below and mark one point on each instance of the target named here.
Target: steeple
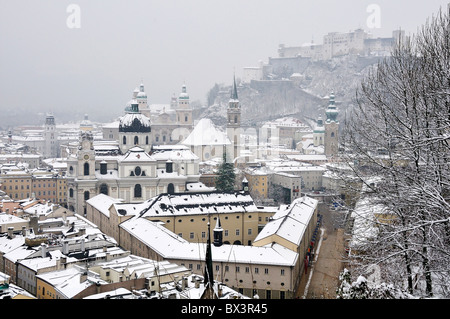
(234, 95)
(234, 122)
(331, 111)
(208, 276)
(331, 139)
(208, 280)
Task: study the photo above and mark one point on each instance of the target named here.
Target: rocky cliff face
(304, 95)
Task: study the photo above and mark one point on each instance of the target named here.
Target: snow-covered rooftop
(206, 133)
(199, 204)
(290, 221)
(172, 247)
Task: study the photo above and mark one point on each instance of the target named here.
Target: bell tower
(331, 129)
(234, 123)
(50, 137)
(86, 157)
(184, 110)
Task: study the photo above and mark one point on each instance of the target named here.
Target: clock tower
(81, 178)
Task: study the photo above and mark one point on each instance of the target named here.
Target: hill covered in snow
(304, 94)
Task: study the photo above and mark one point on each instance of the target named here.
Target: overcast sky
(94, 66)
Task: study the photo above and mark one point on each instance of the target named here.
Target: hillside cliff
(303, 95)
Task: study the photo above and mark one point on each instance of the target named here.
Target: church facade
(170, 124)
(136, 172)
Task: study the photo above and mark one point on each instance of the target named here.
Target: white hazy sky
(95, 68)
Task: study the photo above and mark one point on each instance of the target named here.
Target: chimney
(82, 247)
(197, 282)
(82, 231)
(184, 282)
(10, 232)
(43, 250)
(65, 250)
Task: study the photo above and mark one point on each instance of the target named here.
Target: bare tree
(398, 134)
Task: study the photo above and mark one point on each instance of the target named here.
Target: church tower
(331, 129)
(141, 99)
(184, 110)
(234, 123)
(319, 133)
(81, 174)
(50, 137)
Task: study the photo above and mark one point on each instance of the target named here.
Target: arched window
(86, 169)
(104, 189)
(146, 140)
(71, 170)
(124, 140)
(136, 140)
(86, 195)
(332, 134)
(137, 190)
(170, 188)
(235, 119)
(71, 192)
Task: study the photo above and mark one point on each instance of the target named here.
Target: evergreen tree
(225, 177)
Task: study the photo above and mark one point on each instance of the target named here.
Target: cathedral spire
(209, 292)
(234, 95)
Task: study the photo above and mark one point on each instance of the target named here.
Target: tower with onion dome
(331, 128)
(184, 110)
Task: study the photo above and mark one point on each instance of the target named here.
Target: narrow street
(321, 279)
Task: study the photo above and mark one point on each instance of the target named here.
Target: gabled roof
(173, 247)
(103, 202)
(136, 154)
(199, 204)
(291, 221)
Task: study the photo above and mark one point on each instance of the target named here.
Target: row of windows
(238, 269)
(226, 217)
(225, 233)
(137, 191)
(135, 140)
(16, 187)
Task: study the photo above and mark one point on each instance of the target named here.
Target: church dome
(141, 95)
(134, 121)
